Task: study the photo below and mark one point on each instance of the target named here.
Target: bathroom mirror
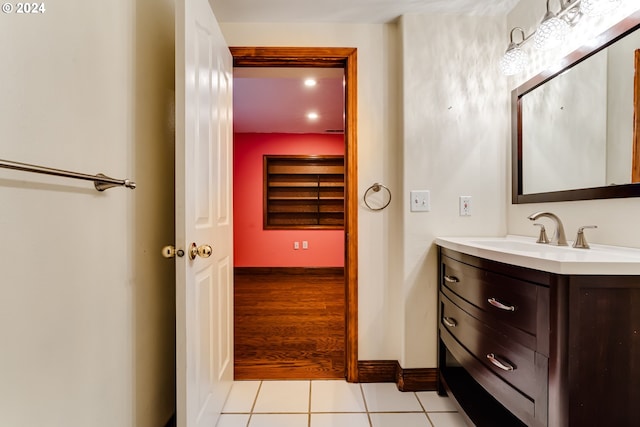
(575, 128)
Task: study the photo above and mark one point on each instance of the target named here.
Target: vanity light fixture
(598, 7)
(310, 82)
(514, 59)
(552, 30)
(312, 116)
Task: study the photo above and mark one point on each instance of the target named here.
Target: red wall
(256, 247)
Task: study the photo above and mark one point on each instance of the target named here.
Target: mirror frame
(624, 27)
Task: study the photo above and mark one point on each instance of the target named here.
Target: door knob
(203, 251)
(170, 252)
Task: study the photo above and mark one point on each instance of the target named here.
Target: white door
(204, 285)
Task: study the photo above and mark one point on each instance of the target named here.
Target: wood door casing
(635, 167)
(345, 58)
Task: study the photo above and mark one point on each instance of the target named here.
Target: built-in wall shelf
(303, 192)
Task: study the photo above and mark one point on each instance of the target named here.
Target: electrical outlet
(296, 245)
(465, 205)
(420, 201)
(305, 244)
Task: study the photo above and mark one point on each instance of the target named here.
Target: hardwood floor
(289, 323)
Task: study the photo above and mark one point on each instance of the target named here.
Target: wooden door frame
(635, 164)
(328, 57)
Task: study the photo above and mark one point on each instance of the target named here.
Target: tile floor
(334, 404)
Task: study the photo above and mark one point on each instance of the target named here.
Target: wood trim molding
(329, 57)
(422, 379)
(635, 167)
(351, 213)
(376, 371)
(302, 271)
(345, 58)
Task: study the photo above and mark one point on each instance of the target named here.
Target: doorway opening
(345, 59)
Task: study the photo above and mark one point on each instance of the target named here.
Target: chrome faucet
(558, 238)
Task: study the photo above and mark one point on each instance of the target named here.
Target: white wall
(445, 62)
(616, 218)
(433, 114)
(379, 147)
(86, 313)
(455, 143)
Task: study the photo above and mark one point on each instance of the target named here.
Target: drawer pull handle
(451, 279)
(499, 363)
(494, 302)
(450, 322)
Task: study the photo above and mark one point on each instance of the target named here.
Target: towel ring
(376, 188)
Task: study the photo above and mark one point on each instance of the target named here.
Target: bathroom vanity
(539, 335)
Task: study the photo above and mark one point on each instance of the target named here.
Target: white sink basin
(525, 252)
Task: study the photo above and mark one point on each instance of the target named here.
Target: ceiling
(275, 100)
(352, 11)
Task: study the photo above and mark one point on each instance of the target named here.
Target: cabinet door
(603, 354)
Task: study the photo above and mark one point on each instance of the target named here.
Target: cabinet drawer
(517, 403)
(506, 299)
(508, 359)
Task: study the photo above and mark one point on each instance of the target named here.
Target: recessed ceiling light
(312, 116)
(310, 82)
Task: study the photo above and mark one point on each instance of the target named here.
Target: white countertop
(525, 252)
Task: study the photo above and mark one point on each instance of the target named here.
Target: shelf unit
(303, 192)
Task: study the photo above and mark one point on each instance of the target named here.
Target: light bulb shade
(598, 7)
(513, 61)
(551, 32)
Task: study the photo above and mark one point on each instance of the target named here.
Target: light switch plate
(465, 205)
(420, 201)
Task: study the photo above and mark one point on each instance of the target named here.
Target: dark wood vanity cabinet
(522, 347)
